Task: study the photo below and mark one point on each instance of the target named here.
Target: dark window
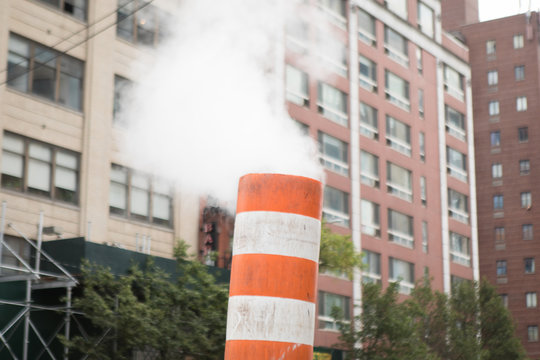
(122, 92)
(139, 22)
(495, 138)
(38, 70)
(498, 202)
(529, 265)
(499, 234)
(519, 72)
(75, 8)
(38, 168)
(523, 134)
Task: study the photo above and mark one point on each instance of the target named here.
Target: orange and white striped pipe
(273, 286)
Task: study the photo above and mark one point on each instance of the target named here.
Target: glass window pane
(161, 207)
(12, 164)
(119, 174)
(70, 91)
(66, 160)
(139, 202)
(65, 178)
(39, 175)
(118, 196)
(41, 152)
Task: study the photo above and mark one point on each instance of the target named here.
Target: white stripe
(270, 319)
(276, 233)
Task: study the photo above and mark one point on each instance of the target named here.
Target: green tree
(470, 324)
(146, 311)
(337, 253)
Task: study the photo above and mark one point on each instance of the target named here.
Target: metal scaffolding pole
(67, 326)
(27, 319)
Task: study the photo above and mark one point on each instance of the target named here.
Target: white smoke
(211, 109)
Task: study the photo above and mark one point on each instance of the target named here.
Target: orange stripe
(266, 350)
(281, 193)
(274, 275)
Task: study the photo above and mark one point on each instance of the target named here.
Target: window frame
(332, 215)
(405, 286)
(519, 72)
(53, 166)
(492, 77)
(521, 103)
(372, 178)
(459, 243)
(372, 270)
(328, 111)
(501, 267)
(369, 128)
(402, 237)
(525, 199)
(368, 82)
(524, 167)
(370, 225)
(529, 266)
(518, 41)
(151, 193)
(531, 300)
(339, 165)
(400, 56)
(395, 142)
(401, 98)
(33, 64)
(62, 6)
(527, 232)
(126, 13)
(459, 214)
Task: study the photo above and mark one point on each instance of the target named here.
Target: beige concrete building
(61, 61)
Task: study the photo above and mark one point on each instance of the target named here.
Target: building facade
(379, 84)
(505, 80)
(391, 107)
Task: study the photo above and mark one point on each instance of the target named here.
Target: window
(504, 300)
(460, 249)
(297, 34)
(122, 88)
(336, 206)
(526, 200)
(138, 22)
(530, 299)
(519, 72)
(499, 235)
(453, 83)
(422, 146)
(493, 108)
(366, 27)
(399, 181)
(524, 167)
(398, 135)
(419, 60)
(523, 134)
(41, 169)
(455, 123)
(402, 271)
(532, 333)
(335, 10)
(490, 47)
(423, 190)
(297, 86)
(458, 207)
(368, 74)
(457, 164)
(400, 228)
(421, 103)
(396, 47)
(334, 154)
(498, 202)
(397, 91)
(527, 231)
(75, 8)
(425, 19)
(372, 267)
(333, 52)
(495, 138)
(425, 237)
(496, 171)
(399, 7)
(493, 77)
(529, 265)
(332, 104)
(140, 197)
(518, 41)
(521, 103)
(38, 70)
(369, 126)
(370, 218)
(369, 169)
(327, 303)
(501, 267)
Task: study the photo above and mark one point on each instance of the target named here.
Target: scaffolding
(26, 331)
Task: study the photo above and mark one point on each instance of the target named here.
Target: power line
(60, 53)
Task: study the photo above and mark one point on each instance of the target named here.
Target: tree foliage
(146, 311)
(337, 253)
(470, 324)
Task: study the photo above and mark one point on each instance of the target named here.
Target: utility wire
(60, 53)
(87, 27)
